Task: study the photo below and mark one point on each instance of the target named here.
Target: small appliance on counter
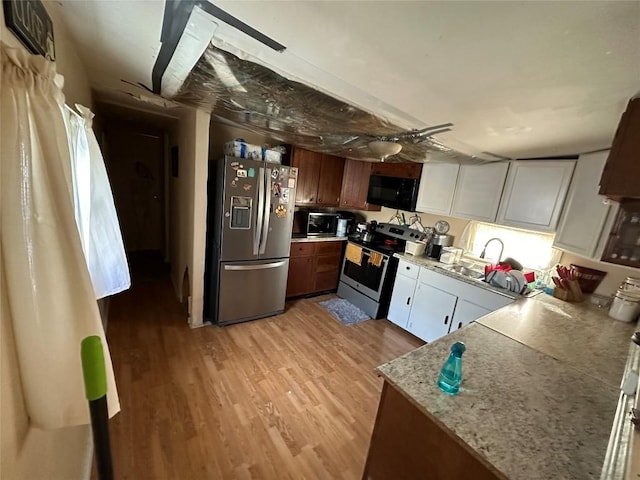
(439, 240)
(415, 248)
(349, 220)
(450, 255)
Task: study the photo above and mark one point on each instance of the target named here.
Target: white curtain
(50, 295)
(95, 211)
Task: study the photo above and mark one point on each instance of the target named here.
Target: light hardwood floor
(292, 396)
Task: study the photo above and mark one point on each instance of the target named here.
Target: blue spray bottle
(451, 373)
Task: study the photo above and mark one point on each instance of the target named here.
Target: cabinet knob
(446, 319)
(408, 300)
(460, 325)
(408, 268)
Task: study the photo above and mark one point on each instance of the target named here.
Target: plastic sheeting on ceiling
(254, 97)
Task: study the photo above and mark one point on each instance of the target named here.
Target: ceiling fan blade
(420, 138)
(425, 131)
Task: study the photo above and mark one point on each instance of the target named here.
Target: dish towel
(375, 259)
(354, 253)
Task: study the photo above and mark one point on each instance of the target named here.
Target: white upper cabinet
(534, 194)
(478, 191)
(437, 186)
(585, 212)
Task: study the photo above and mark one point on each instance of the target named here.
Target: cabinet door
(308, 164)
(431, 313)
(330, 180)
(327, 266)
(400, 169)
(478, 191)
(534, 194)
(621, 173)
(585, 212)
(401, 300)
(300, 280)
(437, 186)
(465, 313)
(355, 185)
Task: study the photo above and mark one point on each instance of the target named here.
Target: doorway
(135, 147)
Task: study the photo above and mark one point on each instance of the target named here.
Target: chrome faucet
(484, 250)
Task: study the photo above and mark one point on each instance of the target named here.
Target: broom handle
(95, 385)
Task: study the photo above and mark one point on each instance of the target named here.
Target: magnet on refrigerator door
(281, 211)
(284, 196)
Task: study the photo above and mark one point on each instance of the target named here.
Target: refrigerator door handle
(263, 266)
(267, 212)
(257, 234)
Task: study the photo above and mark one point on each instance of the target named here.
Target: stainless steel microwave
(315, 224)
(393, 192)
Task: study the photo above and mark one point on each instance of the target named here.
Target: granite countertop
(540, 387)
(318, 239)
(439, 267)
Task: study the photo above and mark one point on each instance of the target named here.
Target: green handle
(93, 370)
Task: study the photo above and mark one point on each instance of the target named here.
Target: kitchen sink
(462, 270)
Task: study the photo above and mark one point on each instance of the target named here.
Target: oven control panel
(400, 231)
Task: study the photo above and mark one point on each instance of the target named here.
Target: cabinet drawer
(327, 280)
(329, 248)
(301, 249)
(408, 269)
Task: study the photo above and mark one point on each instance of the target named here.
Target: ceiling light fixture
(383, 149)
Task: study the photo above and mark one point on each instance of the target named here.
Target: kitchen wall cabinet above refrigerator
(621, 174)
(319, 178)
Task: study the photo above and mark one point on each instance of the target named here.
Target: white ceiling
(518, 79)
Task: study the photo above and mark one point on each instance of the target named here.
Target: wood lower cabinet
(622, 170)
(355, 185)
(319, 178)
(408, 444)
(314, 267)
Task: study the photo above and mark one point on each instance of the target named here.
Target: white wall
(457, 225)
(188, 210)
(27, 452)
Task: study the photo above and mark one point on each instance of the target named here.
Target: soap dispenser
(450, 376)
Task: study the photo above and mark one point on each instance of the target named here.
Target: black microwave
(393, 192)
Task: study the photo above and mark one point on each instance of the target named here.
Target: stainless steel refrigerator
(249, 218)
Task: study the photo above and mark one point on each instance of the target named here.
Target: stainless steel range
(368, 282)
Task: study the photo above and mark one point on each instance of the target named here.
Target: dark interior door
(135, 164)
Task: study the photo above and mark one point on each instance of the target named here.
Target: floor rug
(344, 311)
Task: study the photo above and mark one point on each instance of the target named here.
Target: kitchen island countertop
(540, 387)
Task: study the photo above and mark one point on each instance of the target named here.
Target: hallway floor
(292, 396)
